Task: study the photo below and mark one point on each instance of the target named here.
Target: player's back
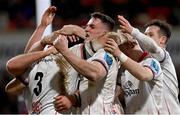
(45, 83)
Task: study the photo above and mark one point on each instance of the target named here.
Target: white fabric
(98, 97)
(47, 82)
(149, 44)
(144, 97)
(171, 103)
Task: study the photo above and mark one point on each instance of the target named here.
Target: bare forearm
(38, 46)
(19, 64)
(89, 70)
(137, 70)
(36, 36)
(14, 87)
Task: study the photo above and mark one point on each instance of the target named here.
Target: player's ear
(163, 40)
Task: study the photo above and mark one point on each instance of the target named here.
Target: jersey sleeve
(154, 65)
(149, 44)
(105, 58)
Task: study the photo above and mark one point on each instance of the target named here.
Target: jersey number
(37, 90)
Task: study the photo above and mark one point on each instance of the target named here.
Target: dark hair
(105, 19)
(165, 28)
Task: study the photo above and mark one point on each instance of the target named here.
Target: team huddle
(121, 71)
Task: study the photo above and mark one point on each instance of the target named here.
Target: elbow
(13, 68)
(10, 66)
(152, 50)
(145, 77)
(94, 77)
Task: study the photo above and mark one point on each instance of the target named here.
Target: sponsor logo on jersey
(129, 89)
(154, 66)
(45, 60)
(36, 107)
(108, 59)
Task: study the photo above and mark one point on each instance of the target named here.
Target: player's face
(154, 33)
(95, 28)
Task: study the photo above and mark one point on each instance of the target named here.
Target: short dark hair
(165, 28)
(105, 19)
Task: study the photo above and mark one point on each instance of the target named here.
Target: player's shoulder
(76, 46)
(153, 64)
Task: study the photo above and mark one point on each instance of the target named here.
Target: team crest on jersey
(108, 59)
(154, 66)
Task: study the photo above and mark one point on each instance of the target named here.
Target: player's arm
(136, 69)
(146, 42)
(19, 64)
(47, 19)
(72, 30)
(91, 70)
(14, 87)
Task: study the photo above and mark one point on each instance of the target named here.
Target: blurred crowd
(21, 13)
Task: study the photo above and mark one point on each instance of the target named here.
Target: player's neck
(89, 48)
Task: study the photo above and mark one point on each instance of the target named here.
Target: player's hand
(62, 103)
(51, 50)
(72, 30)
(48, 16)
(112, 47)
(125, 25)
(61, 44)
(50, 38)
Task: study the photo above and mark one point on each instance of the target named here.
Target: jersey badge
(108, 59)
(155, 66)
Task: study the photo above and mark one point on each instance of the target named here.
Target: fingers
(122, 19)
(110, 45)
(51, 9)
(111, 42)
(57, 101)
(60, 109)
(123, 25)
(59, 105)
(52, 50)
(123, 28)
(73, 38)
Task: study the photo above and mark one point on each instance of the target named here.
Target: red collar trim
(145, 53)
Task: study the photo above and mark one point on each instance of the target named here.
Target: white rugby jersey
(143, 97)
(98, 97)
(45, 84)
(171, 103)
